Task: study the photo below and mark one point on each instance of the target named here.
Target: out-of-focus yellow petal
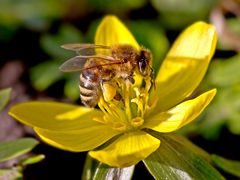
(185, 65)
(82, 139)
(127, 150)
(54, 116)
(179, 115)
(111, 31)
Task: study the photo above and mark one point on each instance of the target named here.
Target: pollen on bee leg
(136, 122)
(109, 91)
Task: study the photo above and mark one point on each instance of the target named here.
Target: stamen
(126, 90)
(139, 101)
(114, 115)
(119, 126)
(123, 115)
(147, 89)
(120, 113)
(136, 122)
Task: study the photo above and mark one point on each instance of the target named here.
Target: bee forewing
(84, 49)
(76, 46)
(74, 64)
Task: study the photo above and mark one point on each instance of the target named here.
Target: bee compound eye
(142, 65)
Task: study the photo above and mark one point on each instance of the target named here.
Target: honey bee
(95, 70)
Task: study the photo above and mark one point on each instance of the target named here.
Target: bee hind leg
(109, 90)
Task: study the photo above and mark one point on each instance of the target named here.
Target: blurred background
(31, 32)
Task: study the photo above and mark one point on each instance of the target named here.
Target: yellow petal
(83, 139)
(197, 41)
(127, 150)
(185, 65)
(180, 115)
(111, 31)
(54, 116)
(65, 126)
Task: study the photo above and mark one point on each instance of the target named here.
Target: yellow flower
(117, 134)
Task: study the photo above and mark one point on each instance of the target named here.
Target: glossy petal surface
(112, 31)
(64, 126)
(181, 114)
(185, 65)
(127, 150)
(54, 116)
(77, 140)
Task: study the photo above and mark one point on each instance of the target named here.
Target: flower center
(126, 113)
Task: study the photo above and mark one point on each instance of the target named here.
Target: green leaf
(6, 33)
(90, 167)
(71, 88)
(32, 160)
(151, 36)
(89, 37)
(10, 174)
(224, 110)
(108, 173)
(45, 74)
(66, 34)
(16, 13)
(230, 166)
(4, 97)
(221, 72)
(116, 6)
(15, 148)
(233, 122)
(180, 13)
(177, 158)
(97, 171)
(233, 25)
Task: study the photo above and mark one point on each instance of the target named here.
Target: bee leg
(109, 90)
(118, 96)
(129, 79)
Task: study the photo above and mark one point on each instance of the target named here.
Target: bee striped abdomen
(89, 88)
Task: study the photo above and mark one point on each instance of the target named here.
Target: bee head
(144, 62)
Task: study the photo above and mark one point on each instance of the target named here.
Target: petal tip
(112, 31)
(211, 93)
(110, 17)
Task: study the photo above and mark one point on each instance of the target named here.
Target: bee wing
(76, 63)
(84, 49)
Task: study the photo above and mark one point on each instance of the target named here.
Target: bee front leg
(128, 78)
